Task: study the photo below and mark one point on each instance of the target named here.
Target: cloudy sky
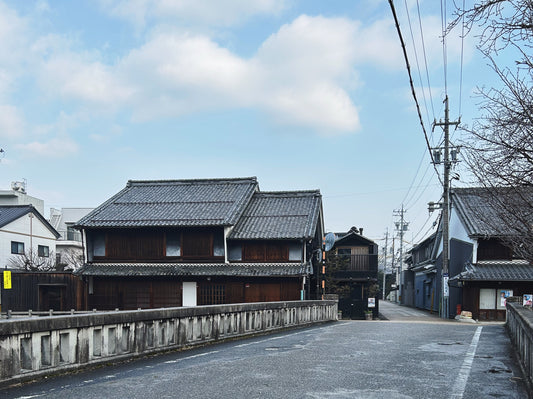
(303, 94)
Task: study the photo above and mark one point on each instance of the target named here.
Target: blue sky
(302, 94)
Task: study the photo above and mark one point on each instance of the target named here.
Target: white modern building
(25, 231)
(18, 196)
(69, 246)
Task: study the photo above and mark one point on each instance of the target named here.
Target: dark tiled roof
(497, 271)
(200, 202)
(10, 213)
(196, 269)
(280, 215)
(351, 237)
(479, 216)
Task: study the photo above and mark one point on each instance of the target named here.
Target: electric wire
(421, 192)
(413, 92)
(444, 51)
(416, 59)
(462, 61)
(425, 57)
(414, 178)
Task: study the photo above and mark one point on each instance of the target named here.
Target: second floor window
(17, 248)
(43, 251)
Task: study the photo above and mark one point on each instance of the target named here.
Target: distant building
(17, 196)
(25, 234)
(164, 243)
(483, 269)
(355, 273)
(69, 246)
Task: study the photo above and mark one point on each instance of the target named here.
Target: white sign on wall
(445, 287)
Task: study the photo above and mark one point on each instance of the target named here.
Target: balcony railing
(359, 263)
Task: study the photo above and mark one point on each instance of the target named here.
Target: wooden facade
(167, 243)
(357, 275)
(497, 312)
(158, 292)
(155, 245)
(42, 291)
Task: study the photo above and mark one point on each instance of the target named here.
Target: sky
(302, 94)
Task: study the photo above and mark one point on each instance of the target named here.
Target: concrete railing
(520, 327)
(34, 347)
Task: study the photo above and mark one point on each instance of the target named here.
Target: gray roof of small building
(10, 213)
(477, 213)
(279, 215)
(350, 236)
(517, 270)
(293, 269)
(174, 203)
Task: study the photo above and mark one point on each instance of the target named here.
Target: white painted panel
(189, 293)
(487, 298)
(457, 229)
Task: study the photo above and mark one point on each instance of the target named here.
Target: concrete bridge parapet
(34, 347)
(520, 328)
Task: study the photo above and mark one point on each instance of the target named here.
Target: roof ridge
(289, 192)
(221, 180)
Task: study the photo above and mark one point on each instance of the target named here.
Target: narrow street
(411, 356)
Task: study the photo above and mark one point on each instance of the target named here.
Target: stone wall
(520, 327)
(34, 347)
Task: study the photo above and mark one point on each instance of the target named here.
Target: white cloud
(304, 74)
(177, 73)
(192, 12)
(11, 122)
(58, 147)
(73, 77)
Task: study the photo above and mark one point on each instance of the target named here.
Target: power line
(425, 57)
(416, 59)
(413, 92)
(462, 59)
(444, 52)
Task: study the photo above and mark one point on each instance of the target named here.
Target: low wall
(34, 347)
(520, 327)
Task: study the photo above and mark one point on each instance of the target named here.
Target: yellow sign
(7, 279)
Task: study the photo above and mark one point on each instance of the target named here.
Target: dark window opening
(17, 248)
(43, 251)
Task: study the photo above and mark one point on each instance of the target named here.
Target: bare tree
(499, 144)
(70, 259)
(31, 261)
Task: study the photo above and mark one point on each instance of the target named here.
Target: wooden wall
(146, 293)
(44, 291)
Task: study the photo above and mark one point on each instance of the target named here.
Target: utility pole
(445, 291)
(385, 262)
(401, 226)
(394, 269)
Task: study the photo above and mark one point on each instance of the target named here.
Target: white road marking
(458, 389)
(190, 357)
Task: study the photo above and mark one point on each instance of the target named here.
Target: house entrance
(51, 297)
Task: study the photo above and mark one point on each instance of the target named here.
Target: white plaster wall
(19, 230)
(457, 229)
(189, 293)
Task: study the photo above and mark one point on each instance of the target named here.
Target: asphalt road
(346, 359)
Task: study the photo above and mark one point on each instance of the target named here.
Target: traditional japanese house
(354, 273)
(488, 270)
(199, 242)
(483, 270)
